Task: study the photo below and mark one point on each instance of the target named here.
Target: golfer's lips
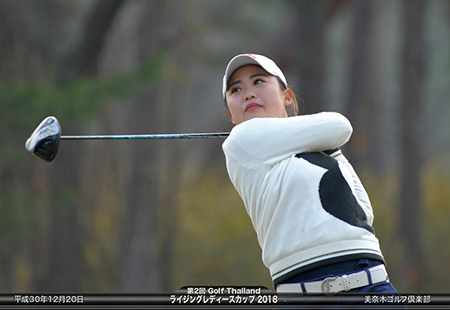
(252, 106)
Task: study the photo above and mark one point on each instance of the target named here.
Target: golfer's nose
(249, 96)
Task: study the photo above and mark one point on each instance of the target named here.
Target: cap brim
(239, 61)
(251, 59)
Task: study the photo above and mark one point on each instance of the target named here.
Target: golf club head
(44, 141)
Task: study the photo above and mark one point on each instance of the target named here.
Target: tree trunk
(151, 168)
(308, 56)
(365, 105)
(65, 255)
(410, 220)
(66, 239)
(83, 60)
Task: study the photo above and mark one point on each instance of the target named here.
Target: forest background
(141, 216)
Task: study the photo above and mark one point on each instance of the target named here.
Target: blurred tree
(151, 170)
(66, 254)
(17, 44)
(413, 73)
(365, 103)
(82, 59)
(301, 48)
(308, 52)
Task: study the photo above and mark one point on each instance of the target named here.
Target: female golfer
(311, 213)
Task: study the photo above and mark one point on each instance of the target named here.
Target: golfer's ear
(229, 114)
(288, 97)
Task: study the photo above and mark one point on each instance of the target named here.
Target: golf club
(44, 141)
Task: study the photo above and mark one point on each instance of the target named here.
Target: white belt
(338, 284)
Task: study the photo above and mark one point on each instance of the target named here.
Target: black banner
(223, 298)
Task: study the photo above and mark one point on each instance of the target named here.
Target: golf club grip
(217, 135)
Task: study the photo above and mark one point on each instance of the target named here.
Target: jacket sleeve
(270, 140)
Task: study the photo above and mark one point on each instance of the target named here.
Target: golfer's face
(252, 92)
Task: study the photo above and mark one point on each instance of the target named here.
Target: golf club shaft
(216, 135)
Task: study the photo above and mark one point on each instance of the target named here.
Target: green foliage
(436, 216)
(383, 195)
(25, 199)
(216, 242)
(23, 103)
(436, 183)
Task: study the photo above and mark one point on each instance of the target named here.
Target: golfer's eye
(258, 81)
(235, 89)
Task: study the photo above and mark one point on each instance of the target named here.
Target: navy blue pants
(339, 269)
(342, 268)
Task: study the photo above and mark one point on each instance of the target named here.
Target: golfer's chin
(254, 114)
(258, 113)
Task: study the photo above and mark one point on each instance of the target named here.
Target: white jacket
(305, 205)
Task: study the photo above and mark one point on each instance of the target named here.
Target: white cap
(251, 59)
